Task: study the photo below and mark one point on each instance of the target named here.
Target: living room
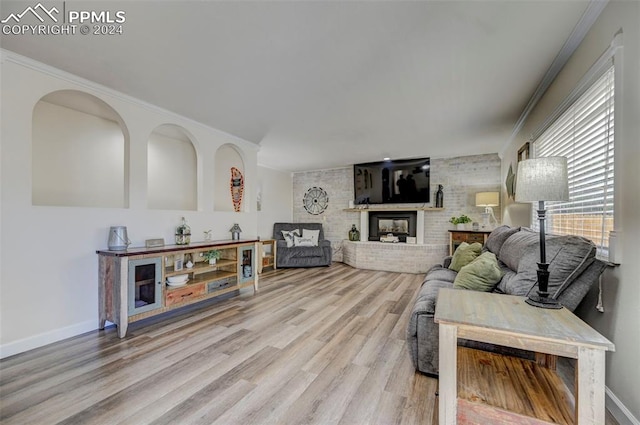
(59, 275)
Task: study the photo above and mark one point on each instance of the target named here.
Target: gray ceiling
(326, 84)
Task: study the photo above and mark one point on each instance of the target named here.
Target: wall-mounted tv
(399, 181)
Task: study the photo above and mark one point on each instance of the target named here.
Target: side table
(456, 237)
(508, 321)
(267, 254)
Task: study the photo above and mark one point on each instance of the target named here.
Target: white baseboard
(45, 338)
(619, 410)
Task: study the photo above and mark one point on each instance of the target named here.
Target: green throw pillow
(464, 254)
(482, 274)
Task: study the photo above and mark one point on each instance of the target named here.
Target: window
(584, 134)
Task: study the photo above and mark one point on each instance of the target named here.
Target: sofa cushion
(428, 295)
(311, 234)
(289, 236)
(568, 256)
(464, 254)
(517, 245)
(498, 236)
(438, 272)
(305, 252)
(302, 241)
(278, 227)
(482, 274)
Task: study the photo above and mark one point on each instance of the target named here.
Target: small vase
(461, 226)
(354, 234)
(212, 261)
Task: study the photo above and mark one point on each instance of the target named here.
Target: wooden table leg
(590, 373)
(448, 351)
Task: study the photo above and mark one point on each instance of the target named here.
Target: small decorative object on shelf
(235, 232)
(212, 256)
(183, 233)
(354, 234)
(439, 197)
(207, 235)
(246, 271)
(118, 239)
(153, 243)
(188, 260)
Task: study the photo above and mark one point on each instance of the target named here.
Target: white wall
(621, 319)
(275, 188)
(64, 171)
(172, 173)
(48, 279)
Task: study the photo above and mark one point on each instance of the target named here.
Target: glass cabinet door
(246, 264)
(144, 285)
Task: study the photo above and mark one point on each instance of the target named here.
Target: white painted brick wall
(462, 177)
(393, 257)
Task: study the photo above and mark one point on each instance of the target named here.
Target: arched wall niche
(227, 156)
(172, 182)
(79, 153)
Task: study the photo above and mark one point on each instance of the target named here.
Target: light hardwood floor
(322, 345)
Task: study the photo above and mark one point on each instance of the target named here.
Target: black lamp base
(543, 302)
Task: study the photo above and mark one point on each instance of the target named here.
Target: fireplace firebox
(397, 223)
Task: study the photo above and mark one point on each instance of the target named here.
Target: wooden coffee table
(508, 321)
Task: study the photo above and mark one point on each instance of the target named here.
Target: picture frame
(524, 152)
(177, 264)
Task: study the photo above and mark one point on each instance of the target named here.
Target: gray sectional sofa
(301, 256)
(573, 267)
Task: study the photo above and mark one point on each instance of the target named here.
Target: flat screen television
(399, 181)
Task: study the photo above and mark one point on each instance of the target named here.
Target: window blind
(584, 135)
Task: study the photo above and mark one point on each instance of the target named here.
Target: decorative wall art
(510, 183)
(316, 200)
(237, 188)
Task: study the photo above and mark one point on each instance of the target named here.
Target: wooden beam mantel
(407, 208)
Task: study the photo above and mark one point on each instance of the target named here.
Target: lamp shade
(487, 199)
(542, 179)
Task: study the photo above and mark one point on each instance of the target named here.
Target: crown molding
(9, 56)
(581, 29)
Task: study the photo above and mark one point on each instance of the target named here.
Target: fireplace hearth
(397, 223)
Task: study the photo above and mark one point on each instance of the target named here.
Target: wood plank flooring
(322, 345)
(314, 346)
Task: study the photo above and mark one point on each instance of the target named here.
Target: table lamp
(542, 179)
(488, 200)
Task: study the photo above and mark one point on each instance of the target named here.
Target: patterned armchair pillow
(289, 236)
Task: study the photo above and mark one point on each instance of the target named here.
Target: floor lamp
(542, 179)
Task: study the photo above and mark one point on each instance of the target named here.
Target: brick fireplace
(397, 223)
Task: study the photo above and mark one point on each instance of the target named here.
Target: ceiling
(322, 84)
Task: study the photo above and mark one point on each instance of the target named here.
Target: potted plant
(460, 222)
(211, 256)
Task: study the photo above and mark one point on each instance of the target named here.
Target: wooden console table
(137, 283)
(508, 321)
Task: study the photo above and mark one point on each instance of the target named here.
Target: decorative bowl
(178, 279)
